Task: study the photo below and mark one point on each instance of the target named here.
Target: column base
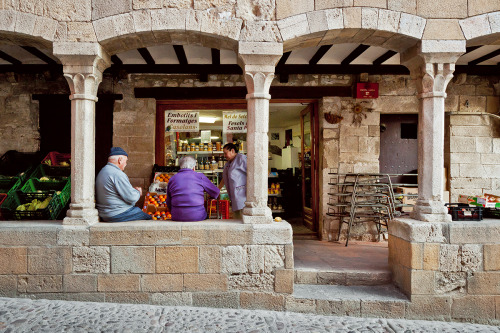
(81, 214)
(430, 211)
(257, 215)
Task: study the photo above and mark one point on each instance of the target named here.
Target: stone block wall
(454, 266)
(218, 264)
(19, 113)
(473, 141)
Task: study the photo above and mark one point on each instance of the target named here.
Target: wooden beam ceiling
(146, 56)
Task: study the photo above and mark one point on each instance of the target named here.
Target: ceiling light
(209, 120)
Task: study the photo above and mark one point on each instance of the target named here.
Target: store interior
(285, 171)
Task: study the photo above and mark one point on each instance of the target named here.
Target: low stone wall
(449, 270)
(211, 264)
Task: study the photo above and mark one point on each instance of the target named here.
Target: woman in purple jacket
(185, 192)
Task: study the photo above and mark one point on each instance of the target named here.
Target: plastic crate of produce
(52, 173)
(62, 187)
(493, 213)
(14, 163)
(56, 159)
(9, 184)
(463, 212)
(50, 212)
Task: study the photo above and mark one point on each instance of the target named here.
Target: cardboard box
(477, 201)
(409, 197)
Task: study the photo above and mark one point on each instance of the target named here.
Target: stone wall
(474, 140)
(224, 264)
(19, 113)
(453, 266)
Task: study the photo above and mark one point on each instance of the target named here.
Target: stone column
(433, 65)
(258, 60)
(83, 65)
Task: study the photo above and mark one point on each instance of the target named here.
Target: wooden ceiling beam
(484, 58)
(384, 57)
(181, 54)
(354, 54)
(9, 58)
(116, 60)
(319, 54)
(146, 56)
(39, 54)
(215, 56)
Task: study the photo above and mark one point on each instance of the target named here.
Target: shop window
(408, 131)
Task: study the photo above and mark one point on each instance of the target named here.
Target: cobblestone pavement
(25, 315)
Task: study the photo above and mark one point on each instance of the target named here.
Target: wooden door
(309, 165)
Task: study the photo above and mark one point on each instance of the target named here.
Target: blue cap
(117, 151)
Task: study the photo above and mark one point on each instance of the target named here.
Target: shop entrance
(293, 152)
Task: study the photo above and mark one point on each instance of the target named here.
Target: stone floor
(323, 255)
(25, 315)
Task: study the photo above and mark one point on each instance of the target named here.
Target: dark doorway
(55, 125)
(398, 144)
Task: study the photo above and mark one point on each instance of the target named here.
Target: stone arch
(481, 29)
(372, 26)
(150, 27)
(19, 28)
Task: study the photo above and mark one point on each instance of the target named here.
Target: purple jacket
(185, 195)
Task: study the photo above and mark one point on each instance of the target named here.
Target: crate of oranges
(162, 177)
(156, 205)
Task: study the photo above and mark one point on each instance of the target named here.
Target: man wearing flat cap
(115, 196)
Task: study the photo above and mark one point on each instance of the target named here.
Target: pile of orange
(162, 177)
(161, 215)
(157, 200)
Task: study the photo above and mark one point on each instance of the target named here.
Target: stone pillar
(432, 64)
(258, 60)
(83, 65)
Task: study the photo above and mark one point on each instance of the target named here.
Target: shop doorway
(292, 160)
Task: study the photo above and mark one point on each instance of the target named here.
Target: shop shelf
(18, 164)
(8, 208)
(55, 159)
(56, 173)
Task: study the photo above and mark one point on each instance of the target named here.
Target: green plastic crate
(63, 186)
(8, 208)
(53, 173)
(9, 184)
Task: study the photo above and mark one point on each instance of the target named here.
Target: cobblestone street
(25, 315)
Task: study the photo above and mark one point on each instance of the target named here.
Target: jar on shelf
(196, 148)
(193, 146)
(209, 146)
(218, 146)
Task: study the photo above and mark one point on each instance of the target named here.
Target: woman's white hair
(187, 162)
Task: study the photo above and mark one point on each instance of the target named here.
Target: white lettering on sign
(234, 122)
(182, 121)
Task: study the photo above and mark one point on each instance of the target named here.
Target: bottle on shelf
(197, 167)
(221, 162)
(207, 164)
(214, 164)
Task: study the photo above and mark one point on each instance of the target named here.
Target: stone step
(362, 301)
(342, 277)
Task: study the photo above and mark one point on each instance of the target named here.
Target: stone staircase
(353, 281)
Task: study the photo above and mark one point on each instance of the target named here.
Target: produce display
(34, 205)
(155, 205)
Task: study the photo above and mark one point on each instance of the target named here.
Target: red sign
(366, 90)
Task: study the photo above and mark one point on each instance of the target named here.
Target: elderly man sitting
(185, 192)
(115, 196)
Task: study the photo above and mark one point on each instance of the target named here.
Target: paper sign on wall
(182, 121)
(234, 122)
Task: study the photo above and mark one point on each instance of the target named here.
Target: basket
(63, 186)
(8, 208)
(223, 209)
(54, 173)
(56, 159)
(463, 212)
(10, 184)
(492, 213)
(14, 163)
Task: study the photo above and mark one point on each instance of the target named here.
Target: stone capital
(432, 63)
(83, 65)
